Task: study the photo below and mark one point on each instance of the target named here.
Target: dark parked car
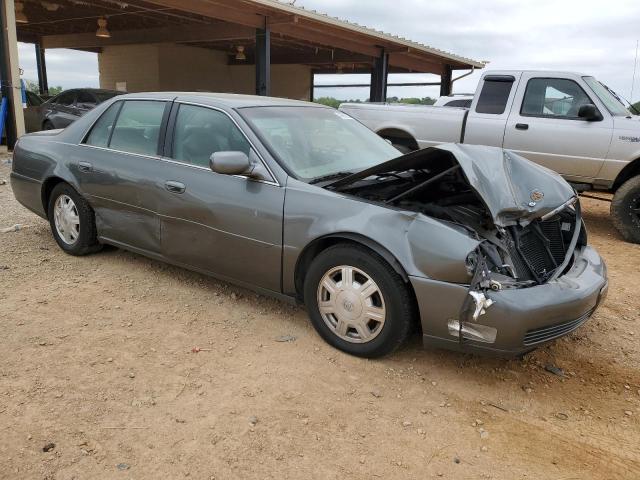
(31, 113)
(484, 249)
(66, 107)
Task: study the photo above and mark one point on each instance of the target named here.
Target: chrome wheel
(351, 304)
(66, 219)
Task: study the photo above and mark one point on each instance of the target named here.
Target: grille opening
(540, 247)
(551, 332)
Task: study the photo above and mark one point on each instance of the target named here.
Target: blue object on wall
(3, 115)
(23, 91)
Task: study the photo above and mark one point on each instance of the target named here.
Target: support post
(10, 72)
(312, 86)
(263, 60)
(446, 83)
(41, 65)
(379, 74)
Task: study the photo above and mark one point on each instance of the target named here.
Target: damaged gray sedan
(482, 249)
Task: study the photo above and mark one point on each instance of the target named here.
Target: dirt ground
(96, 358)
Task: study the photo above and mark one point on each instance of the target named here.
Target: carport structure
(244, 46)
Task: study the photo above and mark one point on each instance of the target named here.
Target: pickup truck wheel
(625, 210)
(72, 220)
(357, 302)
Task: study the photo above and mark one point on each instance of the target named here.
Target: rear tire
(72, 221)
(625, 210)
(367, 308)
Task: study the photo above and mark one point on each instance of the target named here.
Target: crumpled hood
(514, 189)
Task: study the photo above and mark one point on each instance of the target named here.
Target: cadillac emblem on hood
(536, 195)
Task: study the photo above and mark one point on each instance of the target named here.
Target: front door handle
(174, 187)
(85, 166)
(522, 126)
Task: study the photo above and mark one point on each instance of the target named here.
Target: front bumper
(525, 318)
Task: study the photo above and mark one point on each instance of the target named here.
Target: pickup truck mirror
(590, 113)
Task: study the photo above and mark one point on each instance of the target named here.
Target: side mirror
(590, 113)
(230, 163)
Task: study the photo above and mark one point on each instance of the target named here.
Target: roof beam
(324, 38)
(213, 9)
(414, 64)
(195, 33)
(321, 58)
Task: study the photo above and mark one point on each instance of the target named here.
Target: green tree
(35, 88)
(32, 86)
(637, 106)
(412, 100)
(53, 91)
(329, 101)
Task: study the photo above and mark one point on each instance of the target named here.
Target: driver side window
(553, 97)
(200, 132)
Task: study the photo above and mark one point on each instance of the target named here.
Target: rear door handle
(522, 126)
(85, 166)
(174, 187)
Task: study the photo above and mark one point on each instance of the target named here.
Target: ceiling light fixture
(102, 31)
(240, 55)
(20, 15)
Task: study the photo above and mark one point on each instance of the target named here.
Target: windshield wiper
(331, 176)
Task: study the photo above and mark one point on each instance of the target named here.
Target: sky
(589, 36)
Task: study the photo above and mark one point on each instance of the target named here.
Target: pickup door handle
(522, 126)
(85, 166)
(174, 187)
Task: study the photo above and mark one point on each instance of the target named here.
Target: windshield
(613, 104)
(314, 142)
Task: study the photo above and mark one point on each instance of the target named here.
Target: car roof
(230, 100)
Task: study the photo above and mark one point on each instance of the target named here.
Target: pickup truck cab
(568, 122)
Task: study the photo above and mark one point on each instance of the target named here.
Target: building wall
(172, 67)
(137, 65)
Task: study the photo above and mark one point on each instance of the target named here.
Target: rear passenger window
(137, 128)
(494, 95)
(99, 135)
(200, 132)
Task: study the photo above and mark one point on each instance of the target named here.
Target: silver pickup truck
(568, 122)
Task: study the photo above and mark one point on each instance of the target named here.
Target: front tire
(72, 221)
(625, 210)
(357, 302)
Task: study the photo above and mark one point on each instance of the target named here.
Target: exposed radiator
(539, 248)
